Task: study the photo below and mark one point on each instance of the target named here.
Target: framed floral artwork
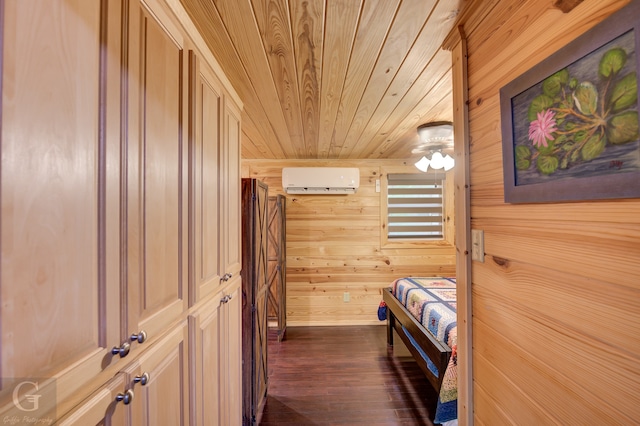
(570, 124)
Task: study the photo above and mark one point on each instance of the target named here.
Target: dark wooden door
(277, 265)
(255, 290)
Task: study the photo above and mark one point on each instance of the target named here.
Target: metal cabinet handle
(126, 397)
(225, 299)
(226, 277)
(143, 379)
(122, 350)
(140, 337)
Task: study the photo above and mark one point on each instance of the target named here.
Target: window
(415, 206)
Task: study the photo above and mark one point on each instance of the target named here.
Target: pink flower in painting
(540, 130)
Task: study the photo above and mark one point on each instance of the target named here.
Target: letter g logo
(31, 398)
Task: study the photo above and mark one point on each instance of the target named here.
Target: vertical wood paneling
(243, 32)
(320, 76)
(555, 305)
(408, 22)
(457, 44)
(307, 25)
(334, 246)
(273, 21)
(341, 23)
(375, 21)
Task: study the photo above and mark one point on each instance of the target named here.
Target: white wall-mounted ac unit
(320, 180)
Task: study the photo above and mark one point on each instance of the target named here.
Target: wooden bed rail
(438, 352)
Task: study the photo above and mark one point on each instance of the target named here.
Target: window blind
(415, 206)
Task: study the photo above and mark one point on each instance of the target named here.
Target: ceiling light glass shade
(423, 164)
(448, 162)
(437, 160)
(438, 132)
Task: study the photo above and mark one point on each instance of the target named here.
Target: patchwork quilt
(432, 301)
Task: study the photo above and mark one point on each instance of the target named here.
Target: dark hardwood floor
(344, 376)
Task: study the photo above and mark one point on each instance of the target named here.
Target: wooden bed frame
(439, 353)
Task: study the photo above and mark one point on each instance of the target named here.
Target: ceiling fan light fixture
(436, 136)
(437, 160)
(422, 164)
(437, 133)
(448, 162)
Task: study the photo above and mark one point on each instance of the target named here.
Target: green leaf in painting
(593, 148)
(612, 62)
(551, 146)
(586, 98)
(538, 104)
(552, 85)
(560, 140)
(580, 135)
(523, 157)
(547, 164)
(564, 163)
(625, 93)
(575, 155)
(573, 83)
(623, 128)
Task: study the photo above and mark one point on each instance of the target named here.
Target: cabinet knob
(140, 337)
(225, 299)
(126, 397)
(226, 277)
(143, 379)
(122, 350)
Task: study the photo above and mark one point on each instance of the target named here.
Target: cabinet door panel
(232, 326)
(231, 185)
(155, 186)
(100, 408)
(206, 169)
(215, 330)
(59, 279)
(163, 400)
(206, 347)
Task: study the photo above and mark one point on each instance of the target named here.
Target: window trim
(448, 225)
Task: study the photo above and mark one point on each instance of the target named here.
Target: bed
(422, 310)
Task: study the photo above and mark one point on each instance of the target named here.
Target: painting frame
(533, 182)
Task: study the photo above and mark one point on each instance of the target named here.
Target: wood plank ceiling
(326, 79)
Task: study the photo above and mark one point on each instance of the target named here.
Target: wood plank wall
(556, 305)
(333, 246)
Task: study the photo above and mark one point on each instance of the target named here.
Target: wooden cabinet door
(156, 176)
(107, 406)
(206, 346)
(59, 189)
(232, 329)
(205, 216)
(231, 216)
(214, 330)
(159, 380)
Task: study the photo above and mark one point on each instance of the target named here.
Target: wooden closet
(120, 223)
(277, 265)
(255, 291)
